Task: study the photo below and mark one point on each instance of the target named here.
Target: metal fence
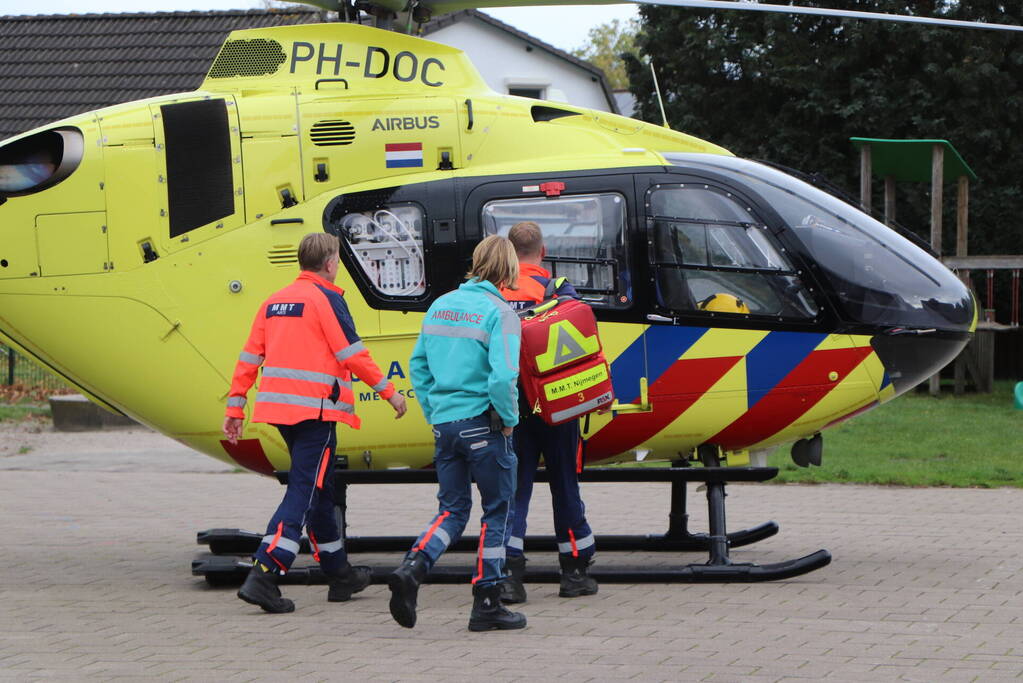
(15, 369)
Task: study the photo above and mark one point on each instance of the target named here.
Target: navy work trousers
(308, 501)
(559, 446)
(468, 450)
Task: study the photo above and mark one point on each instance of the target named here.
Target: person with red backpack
(558, 444)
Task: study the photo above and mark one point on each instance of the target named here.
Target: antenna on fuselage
(660, 100)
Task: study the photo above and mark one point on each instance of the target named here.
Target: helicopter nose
(912, 355)
(912, 358)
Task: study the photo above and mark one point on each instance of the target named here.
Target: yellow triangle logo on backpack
(565, 344)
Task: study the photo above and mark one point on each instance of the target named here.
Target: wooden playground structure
(940, 163)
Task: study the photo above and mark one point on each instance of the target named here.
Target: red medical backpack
(563, 371)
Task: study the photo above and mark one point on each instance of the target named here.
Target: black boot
(260, 588)
(488, 613)
(574, 579)
(512, 589)
(404, 584)
(349, 580)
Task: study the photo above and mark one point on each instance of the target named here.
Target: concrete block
(76, 413)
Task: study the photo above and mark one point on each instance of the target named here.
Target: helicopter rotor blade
(820, 11)
(438, 7)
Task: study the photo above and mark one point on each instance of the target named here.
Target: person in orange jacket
(304, 339)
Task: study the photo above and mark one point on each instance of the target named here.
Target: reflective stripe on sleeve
(510, 325)
(584, 542)
(516, 542)
(236, 401)
(332, 547)
(349, 351)
(304, 375)
(380, 386)
(282, 543)
(455, 331)
(247, 357)
(494, 553)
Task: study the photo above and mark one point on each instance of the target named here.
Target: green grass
(916, 440)
(21, 411)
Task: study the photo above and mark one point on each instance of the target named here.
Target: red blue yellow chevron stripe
(738, 389)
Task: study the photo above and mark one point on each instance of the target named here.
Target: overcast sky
(564, 27)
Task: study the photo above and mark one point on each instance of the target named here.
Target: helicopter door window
(387, 244)
(535, 93)
(710, 254)
(585, 240)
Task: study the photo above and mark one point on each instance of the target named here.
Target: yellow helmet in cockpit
(723, 303)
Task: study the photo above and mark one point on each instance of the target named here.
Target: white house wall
(504, 62)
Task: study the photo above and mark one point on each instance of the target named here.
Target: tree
(794, 89)
(607, 43)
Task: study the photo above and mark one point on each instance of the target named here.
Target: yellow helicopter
(740, 308)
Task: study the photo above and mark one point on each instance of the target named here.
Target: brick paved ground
(926, 585)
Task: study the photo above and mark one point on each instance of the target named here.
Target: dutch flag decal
(404, 154)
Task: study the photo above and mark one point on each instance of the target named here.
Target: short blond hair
(494, 260)
(315, 249)
(527, 238)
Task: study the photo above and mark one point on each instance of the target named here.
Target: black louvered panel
(330, 133)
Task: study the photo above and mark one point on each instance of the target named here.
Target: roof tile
(56, 66)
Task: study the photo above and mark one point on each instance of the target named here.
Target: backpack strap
(553, 285)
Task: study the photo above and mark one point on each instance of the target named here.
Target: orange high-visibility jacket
(305, 340)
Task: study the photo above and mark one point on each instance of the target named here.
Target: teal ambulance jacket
(467, 356)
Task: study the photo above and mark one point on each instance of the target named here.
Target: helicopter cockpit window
(585, 240)
(39, 161)
(387, 243)
(710, 253)
(877, 276)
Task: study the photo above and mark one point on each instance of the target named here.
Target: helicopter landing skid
(221, 566)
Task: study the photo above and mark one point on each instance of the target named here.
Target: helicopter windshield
(878, 276)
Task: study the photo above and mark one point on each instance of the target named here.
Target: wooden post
(962, 215)
(937, 180)
(866, 174)
(889, 200)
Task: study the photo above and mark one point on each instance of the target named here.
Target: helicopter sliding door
(586, 223)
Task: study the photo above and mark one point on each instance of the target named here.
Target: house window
(585, 240)
(710, 254)
(523, 91)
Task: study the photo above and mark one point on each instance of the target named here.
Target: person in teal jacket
(465, 370)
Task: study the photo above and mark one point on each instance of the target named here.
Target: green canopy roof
(911, 159)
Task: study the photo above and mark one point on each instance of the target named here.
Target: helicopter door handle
(654, 318)
(643, 406)
(316, 86)
(468, 108)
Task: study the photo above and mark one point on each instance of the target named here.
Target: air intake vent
(256, 57)
(330, 133)
(283, 256)
(542, 113)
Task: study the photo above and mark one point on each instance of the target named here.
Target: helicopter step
(220, 567)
